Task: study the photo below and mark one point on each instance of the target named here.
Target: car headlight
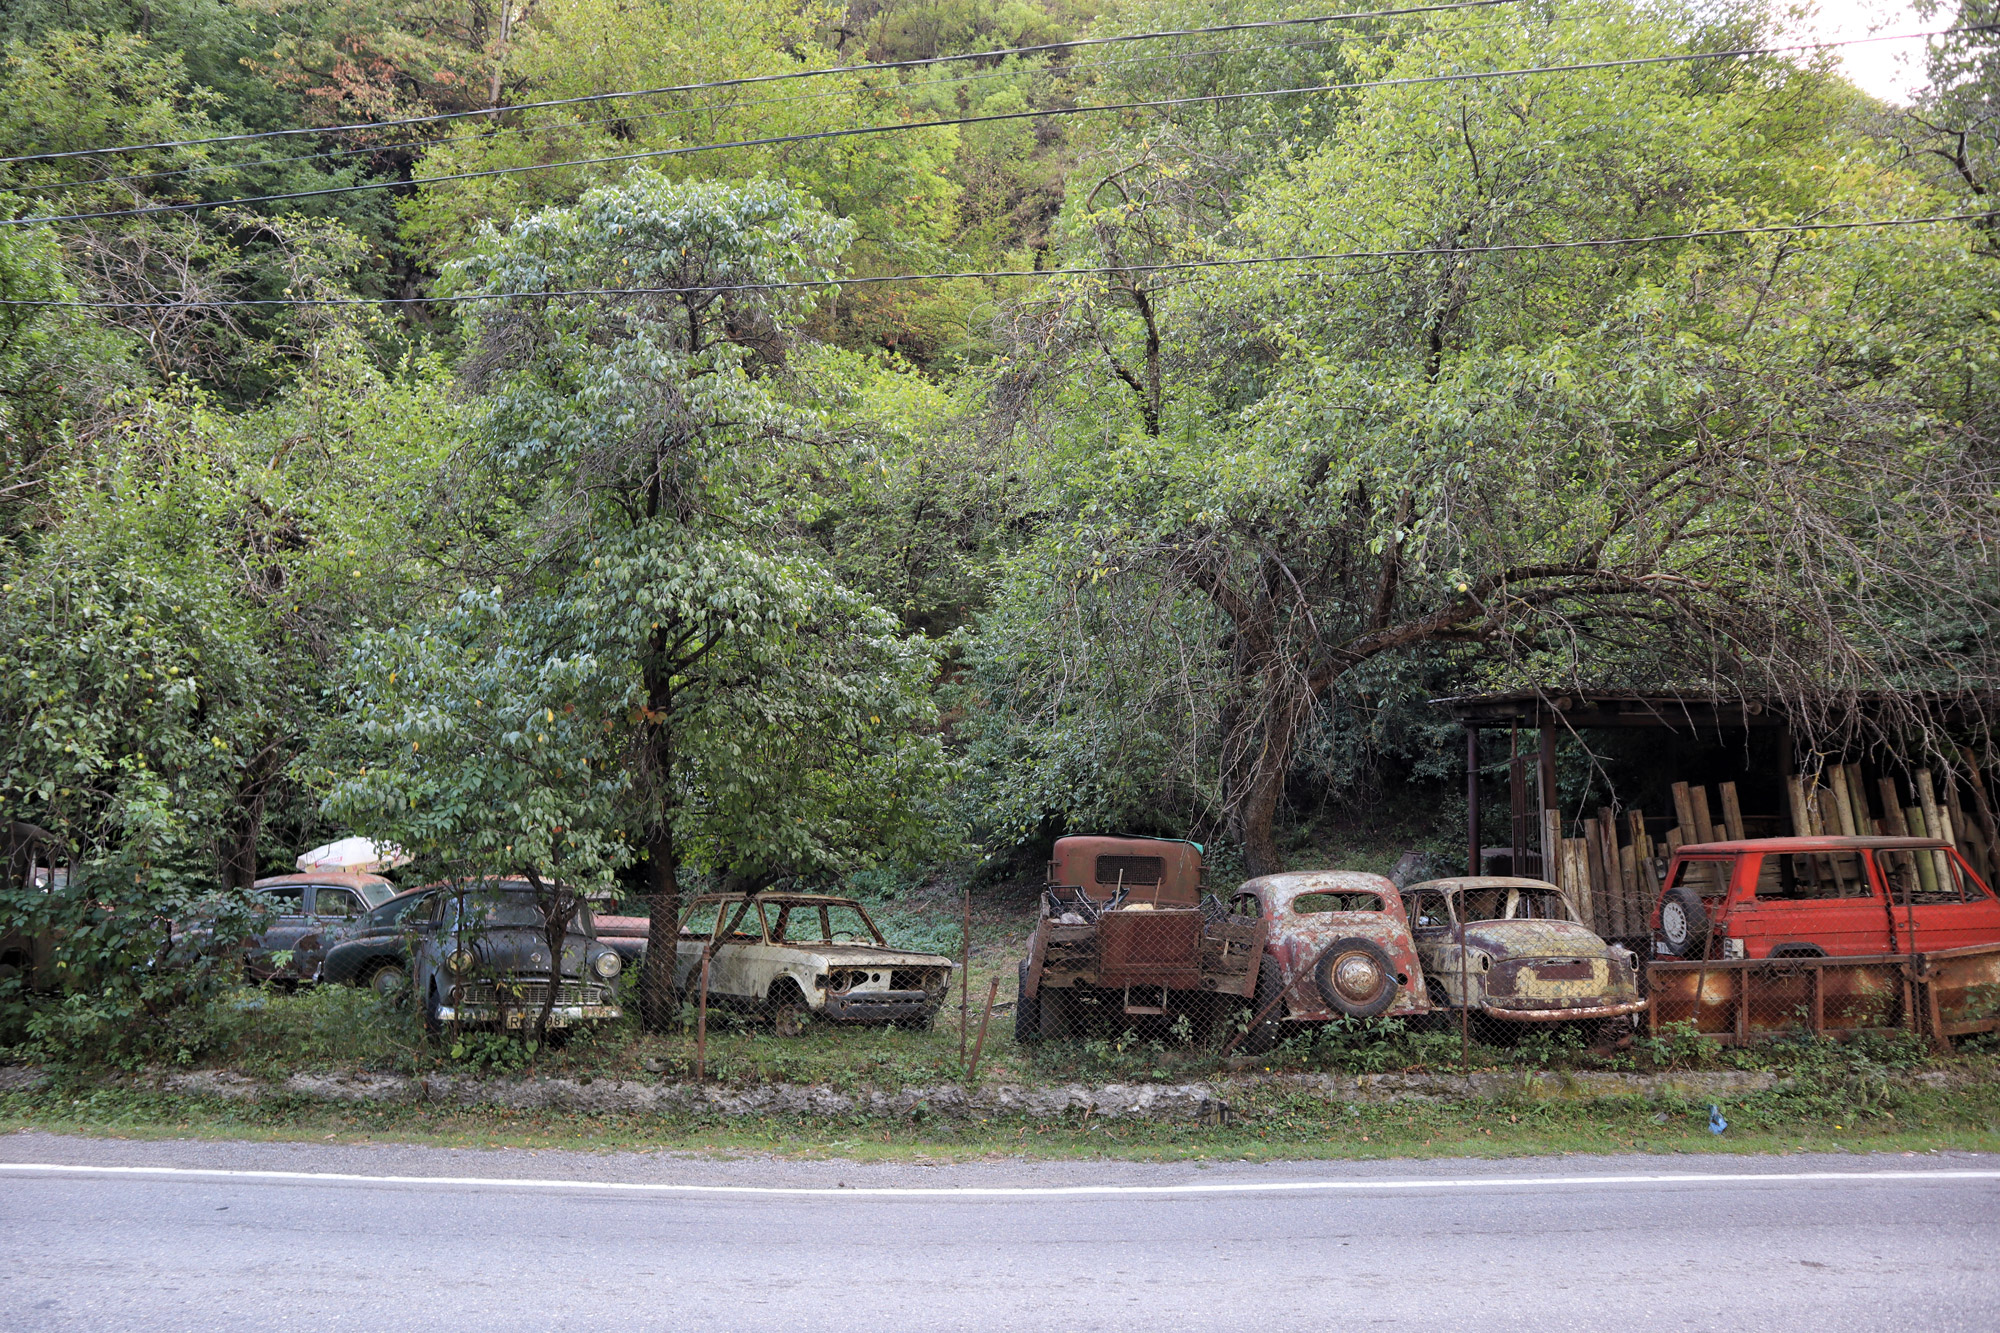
(459, 961)
(608, 965)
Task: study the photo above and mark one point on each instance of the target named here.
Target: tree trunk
(659, 997)
(1256, 813)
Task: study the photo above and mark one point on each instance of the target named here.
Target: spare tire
(1356, 977)
(1684, 922)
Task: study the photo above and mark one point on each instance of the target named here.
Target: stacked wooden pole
(1610, 880)
(1612, 873)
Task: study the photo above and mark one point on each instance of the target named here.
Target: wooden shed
(1746, 775)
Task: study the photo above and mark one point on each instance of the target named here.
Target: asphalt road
(99, 1235)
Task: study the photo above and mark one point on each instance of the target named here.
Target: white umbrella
(357, 855)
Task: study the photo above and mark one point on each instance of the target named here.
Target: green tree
(1691, 463)
(766, 719)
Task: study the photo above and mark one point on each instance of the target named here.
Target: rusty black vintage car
(1514, 949)
(480, 957)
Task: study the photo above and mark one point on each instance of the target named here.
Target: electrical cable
(1001, 53)
(820, 135)
(1247, 261)
(707, 108)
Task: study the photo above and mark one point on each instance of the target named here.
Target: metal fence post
(965, 980)
(701, 1024)
(992, 992)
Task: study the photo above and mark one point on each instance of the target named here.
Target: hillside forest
(650, 443)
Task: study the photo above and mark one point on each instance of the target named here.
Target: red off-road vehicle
(1821, 897)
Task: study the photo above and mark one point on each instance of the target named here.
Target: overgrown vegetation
(638, 546)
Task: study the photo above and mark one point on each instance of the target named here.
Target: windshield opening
(1513, 904)
(513, 910)
(820, 923)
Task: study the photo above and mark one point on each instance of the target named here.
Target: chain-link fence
(1939, 995)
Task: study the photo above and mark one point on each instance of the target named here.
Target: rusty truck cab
(1123, 934)
(1163, 871)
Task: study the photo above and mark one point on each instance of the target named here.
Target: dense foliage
(636, 540)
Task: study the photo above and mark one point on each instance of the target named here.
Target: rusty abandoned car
(480, 957)
(1514, 950)
(1336, 945)
(1124, 931)
(801, 956)
(302, 914)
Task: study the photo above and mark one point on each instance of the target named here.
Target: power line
(818, 135)
(706, 108)
(1248, 261)
(996, 54)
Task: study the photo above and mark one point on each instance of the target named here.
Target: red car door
(1946, 908)
(1807, 902)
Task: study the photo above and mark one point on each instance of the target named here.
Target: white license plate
(517, 1019)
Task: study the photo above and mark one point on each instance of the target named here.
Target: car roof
(831, 900)
(1290, 884)
(1811, 844)
(1458, 883)
(343, 878)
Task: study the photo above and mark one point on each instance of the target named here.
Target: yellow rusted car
(1513, 949)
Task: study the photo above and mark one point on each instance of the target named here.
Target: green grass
(1274, 1124)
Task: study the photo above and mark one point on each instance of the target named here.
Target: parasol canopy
(355, 855)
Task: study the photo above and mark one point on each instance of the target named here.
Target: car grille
(526, 994)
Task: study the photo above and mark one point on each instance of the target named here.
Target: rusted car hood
(1536, 939)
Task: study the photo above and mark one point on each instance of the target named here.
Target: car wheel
(1355, 977)
(389, 981)
(1270, 985)
(1027, 1011)
(789, 1014)
(1684, 922)
(433, 1019)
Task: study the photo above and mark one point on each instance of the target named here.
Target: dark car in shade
(375, 950)
(480, 957)
(302, 914)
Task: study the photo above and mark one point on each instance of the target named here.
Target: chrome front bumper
(519, 1016)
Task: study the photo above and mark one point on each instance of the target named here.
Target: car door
(289, 923)
(1804, 902)
(1429, 912)
(741, 965)
(1946, 908)
(336, 912)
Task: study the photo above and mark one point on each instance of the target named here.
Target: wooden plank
(1684, 813)
(1628, 870)
(1816, 811)
(1843, 801)
(1576, 866)
(1795, 794)
(1614, 879)
(1732, 812)
(1892, 809)
(1857, 794)
(1934, 815)
(1939, 827)
(1605, 884)
(1704, 825)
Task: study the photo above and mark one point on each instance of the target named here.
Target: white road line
(1737, 1178)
